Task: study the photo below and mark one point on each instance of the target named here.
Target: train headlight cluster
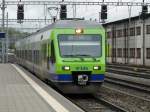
(96, 67)
(66, 68)
(79, 31)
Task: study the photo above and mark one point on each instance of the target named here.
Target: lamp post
(3, 14)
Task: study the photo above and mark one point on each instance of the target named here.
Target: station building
(128, 41)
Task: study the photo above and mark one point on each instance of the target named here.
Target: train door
(52, 58)
(48, 55)
(44, 57)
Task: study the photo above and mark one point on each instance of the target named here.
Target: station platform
(20, 91)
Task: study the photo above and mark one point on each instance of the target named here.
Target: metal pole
(143, 38)
(74, 11)
(3, 29)
(3, 15)
(128, 36)
(7, 43)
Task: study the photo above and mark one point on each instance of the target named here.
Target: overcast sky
(114, 12)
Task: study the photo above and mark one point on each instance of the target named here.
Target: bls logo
(82, 68)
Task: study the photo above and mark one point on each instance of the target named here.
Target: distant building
(125, 41)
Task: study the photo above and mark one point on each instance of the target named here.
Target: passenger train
(68, 53)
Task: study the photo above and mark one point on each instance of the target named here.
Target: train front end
(80, 59)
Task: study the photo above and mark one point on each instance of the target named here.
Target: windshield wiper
(71, 55)
(81, 56)
(86, 56)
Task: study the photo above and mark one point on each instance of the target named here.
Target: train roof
(72, 24)
(68, 24)
(77, 24)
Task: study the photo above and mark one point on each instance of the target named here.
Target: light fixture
(66, 68)
(79, 31)
(96, 67)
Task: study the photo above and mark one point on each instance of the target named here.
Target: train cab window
(80, 45)
(52, 53)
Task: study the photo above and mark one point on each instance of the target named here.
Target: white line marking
(49, 99)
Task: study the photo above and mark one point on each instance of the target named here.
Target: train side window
(34, 56)
(52, 52)
(28, 55)
(38, 57)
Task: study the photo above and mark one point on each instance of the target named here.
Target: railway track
(129, 73)
(127, 98)
(128, 83)
(137, 85)
(132, 69)
(111, 98)
(94, 103)
(103, 101)
(127, 91)
(121, 75)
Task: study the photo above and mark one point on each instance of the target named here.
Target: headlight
(96, 67)
(66, 68)
(78, 31)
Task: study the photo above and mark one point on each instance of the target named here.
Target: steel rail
(129, 73)
(129, 67)
(98, 99)
(126, 93)
(129, 84)
(110, 104)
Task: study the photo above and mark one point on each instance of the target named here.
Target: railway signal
(104, 12)
(20, 12)
(63, 12)
(144, 12)
(144, 9)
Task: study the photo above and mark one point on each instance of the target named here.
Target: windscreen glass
(80, 45)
